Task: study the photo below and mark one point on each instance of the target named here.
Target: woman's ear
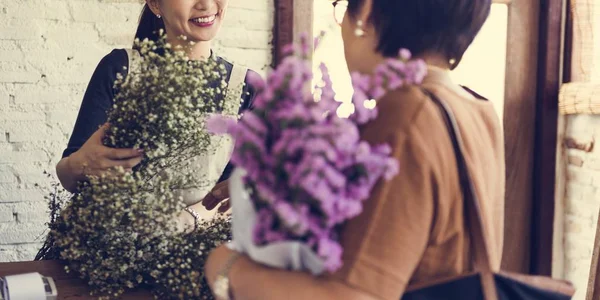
(153, 5)
(365, 11)
(363, 19)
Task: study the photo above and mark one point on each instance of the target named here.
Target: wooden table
(69, 286)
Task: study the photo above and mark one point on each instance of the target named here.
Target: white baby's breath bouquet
(119, 231)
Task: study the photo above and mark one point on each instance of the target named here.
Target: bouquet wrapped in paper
(303, 171)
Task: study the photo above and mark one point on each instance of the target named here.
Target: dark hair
(446, 27)
(149, 25)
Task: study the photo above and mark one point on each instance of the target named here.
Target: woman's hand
(185, 222)
(219, 194)
(93, 158)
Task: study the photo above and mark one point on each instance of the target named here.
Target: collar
(441, 77)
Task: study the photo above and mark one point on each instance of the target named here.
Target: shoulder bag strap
(474, 218)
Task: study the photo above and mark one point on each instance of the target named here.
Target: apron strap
(235, 88)
(133, 57)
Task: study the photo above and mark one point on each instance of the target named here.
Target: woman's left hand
(185, 222)
(219, 194)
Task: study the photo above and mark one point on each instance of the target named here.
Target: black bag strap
(475, 225)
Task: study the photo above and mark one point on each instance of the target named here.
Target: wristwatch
(221, 287)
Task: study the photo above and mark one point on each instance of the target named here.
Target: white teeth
(205, 19)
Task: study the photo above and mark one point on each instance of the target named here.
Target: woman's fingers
(106, 165)
(99, 134)
(123, 154)
(130, 163)
(219, 193)
(210, 202)
(107, 152)
(221, 190)
(224, 206)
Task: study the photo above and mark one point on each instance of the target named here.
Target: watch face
(222, 287)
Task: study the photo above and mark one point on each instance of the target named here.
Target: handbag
(483, 283)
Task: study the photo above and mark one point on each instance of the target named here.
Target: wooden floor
(69, 286)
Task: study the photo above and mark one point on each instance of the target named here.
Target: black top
(99, 95)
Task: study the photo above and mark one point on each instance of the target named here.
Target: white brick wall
(582, 197)
(48, 51)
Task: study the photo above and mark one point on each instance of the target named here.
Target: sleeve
(384, 245)
(97, 100)
(248, 94)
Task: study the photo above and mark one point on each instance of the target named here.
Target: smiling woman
(184, 21)
(199, 21)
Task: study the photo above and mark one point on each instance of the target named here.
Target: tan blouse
(412, 229)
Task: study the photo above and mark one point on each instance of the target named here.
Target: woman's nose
(205, 5)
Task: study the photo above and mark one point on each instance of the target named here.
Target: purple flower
(288, 50)
(260, 231)
(255, 80)
(392, 168)
(266, 193)
(334, 177)
(360, 82)
(362, 114)
(308, 169)
(255, 122)
(317, 40)
(332, 252)
(350, 209)
(295, 218)
(404, 54)
(219, 124)
(378, 92)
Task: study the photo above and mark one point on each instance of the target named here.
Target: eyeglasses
(339, 10)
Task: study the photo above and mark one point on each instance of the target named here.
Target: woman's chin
(201, 37)
(203, 34)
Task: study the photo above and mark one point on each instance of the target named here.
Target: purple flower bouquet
(302, 171)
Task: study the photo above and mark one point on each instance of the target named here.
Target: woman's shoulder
(412, 108)
(116, 58)
(110, 65)
(399, 109)
(411, 115)
(229, 67)
(116, 61)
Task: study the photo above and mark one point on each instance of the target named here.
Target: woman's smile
(204, 21)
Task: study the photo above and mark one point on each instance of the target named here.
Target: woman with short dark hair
(412, 230)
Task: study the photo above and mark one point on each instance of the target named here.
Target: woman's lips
(204, 21)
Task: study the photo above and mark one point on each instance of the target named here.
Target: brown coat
(412, 229)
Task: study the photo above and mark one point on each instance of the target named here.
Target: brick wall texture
(48, 51)
(582, 197)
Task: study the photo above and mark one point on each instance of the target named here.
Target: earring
(158, 16)
(359, 31)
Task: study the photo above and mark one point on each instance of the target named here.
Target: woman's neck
(437, 61)
(197, 51)
(369, 61)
